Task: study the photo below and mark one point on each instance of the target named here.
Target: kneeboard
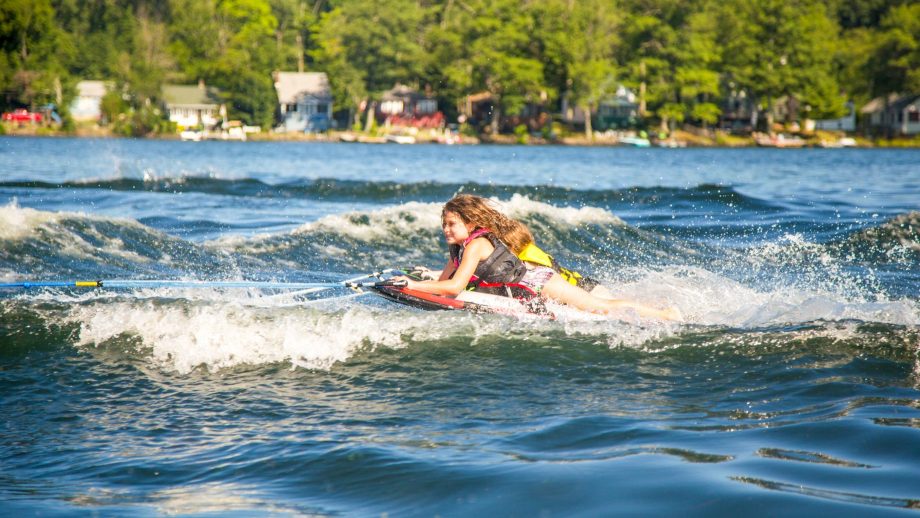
(467, 300)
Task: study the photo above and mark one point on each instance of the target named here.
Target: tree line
(683, 57)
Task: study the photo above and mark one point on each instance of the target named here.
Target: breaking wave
(790, 285)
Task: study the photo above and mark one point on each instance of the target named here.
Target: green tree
(697, 70)
(650, 40)
(31, 72)
(367, 47)
(852, 60)
(774, 49)
(895, 63)
(581, 37)
(494, 51)
(295, 19)
(194, 38)
(246, 59)
(861, 13)
(100, 31)
(126, 42)
(147, 63)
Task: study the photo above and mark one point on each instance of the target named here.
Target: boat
(671, 143)
(400, 139)
(635, 141)
(191, 136)
(778, 141)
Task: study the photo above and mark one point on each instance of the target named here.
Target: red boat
(21, 116)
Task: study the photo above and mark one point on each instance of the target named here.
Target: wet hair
(477, 211)
(517, 236)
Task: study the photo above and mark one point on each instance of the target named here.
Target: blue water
(792, 387)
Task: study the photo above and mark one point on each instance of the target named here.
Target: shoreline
(680, 139)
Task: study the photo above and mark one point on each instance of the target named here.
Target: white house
(305, 101)
(193, 106)
(845, 123)
(900, 115)
(87, 105)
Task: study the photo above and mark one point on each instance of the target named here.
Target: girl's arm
(475, 252)
(448, 271)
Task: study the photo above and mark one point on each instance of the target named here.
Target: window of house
(427, 106)
(322, 108)
(913, 116)
(391, 107)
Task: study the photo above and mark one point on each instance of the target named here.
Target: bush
(727, 140)
(67, 123)
(521, 132)
(468, 130)
(142, 122)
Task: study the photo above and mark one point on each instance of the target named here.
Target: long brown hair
(475, 210)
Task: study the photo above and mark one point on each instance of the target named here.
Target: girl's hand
(410, 284)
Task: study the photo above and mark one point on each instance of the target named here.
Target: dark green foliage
(680, 56)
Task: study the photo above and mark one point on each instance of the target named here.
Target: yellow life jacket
(532, 254)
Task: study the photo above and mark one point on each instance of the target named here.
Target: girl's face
(455, 230)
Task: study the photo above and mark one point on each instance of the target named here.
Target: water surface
(792, 387)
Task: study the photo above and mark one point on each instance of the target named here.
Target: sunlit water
(793, 387)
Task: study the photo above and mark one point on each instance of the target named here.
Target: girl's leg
(600, 291)
(561, 291)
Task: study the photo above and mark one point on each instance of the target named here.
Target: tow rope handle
(380, 284)
(402, 283)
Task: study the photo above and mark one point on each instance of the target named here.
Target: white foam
(20, 223)
(522, 206)
(383, 224)
(187, 335)
(218, 330)
(411, 219)
(707, 298)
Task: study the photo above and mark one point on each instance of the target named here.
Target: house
(194, 106)
(620, 110)
(895, 115)
(87, 105)
(739, 111)
(405, 106)
(305, 101)
(477, 109)
(845, 123)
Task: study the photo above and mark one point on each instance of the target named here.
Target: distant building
(193, 106)
(896, 115)
(405, 106)
(739, 111)
(87, 105)
(571, 113)
(845, 123)
(305, 101)
(477, 109)
(620, 110)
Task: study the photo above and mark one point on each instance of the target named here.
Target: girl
(479, 259)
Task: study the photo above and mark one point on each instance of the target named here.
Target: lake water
(792, 388)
